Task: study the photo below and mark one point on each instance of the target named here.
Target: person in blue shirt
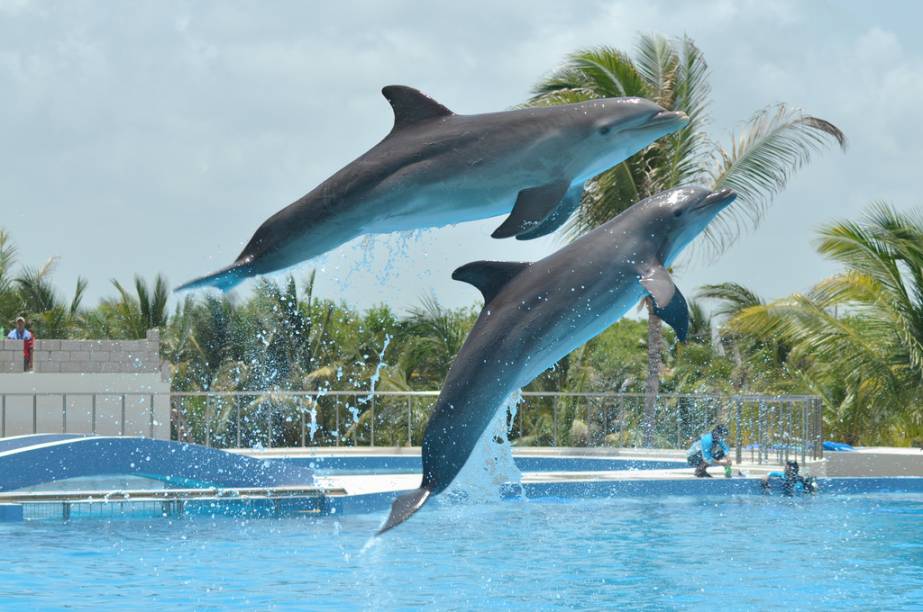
(20, 333)
(791, 482)
(710, 449)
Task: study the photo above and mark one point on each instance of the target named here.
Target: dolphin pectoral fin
(532, 206)
(675, 314)
(558, 216)
(659, 284)
(404, 507)
(411, 106)
(669, 303)
(489, 276)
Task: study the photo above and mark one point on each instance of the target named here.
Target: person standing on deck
(710, 449)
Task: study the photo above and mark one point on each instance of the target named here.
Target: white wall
(51, 391)
(58, 397)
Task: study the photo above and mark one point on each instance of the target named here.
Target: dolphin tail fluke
(404, 507)
(224, 279)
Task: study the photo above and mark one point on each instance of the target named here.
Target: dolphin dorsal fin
(489, 276)
(411, 106)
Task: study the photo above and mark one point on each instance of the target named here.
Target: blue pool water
(656, 553)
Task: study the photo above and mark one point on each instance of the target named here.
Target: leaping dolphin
(436, 168)
(535, 314)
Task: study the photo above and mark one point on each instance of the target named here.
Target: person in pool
(710, 449)
(790, 481)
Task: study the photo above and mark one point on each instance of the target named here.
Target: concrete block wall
(86, 356)
(11, 358)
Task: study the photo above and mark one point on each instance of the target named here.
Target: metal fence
(762, 428)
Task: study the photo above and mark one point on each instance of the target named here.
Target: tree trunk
(652, 386)
(739, 365)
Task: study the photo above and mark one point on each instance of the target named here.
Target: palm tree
(145, 310)
(859, 333)
(431, 336)
(50, 315)
(700, 323)
(731, 299)
(772, 145)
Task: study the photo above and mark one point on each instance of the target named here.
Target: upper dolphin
(437, 168)
(535, 314)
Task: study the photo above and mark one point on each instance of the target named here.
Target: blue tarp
(837, 446)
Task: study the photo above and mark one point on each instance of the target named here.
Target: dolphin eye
(604, 130)
(678, 212)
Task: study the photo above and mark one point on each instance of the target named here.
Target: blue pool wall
(413, 464)
(568, 490)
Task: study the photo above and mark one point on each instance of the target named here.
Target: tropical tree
(858, 335)
(51, 315)
(430, 337)
(147, 309)
(729, 299)
(757, 164)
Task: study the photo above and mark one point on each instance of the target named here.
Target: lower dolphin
(535, 314)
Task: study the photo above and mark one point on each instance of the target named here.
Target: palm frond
(687, 153)
(604, 197)
(601, 72)
(772, 146)
(7, 259)
(36, 288)
(657, 63)
(732, 298)
(79, 290)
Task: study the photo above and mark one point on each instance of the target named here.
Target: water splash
(312, 411)
(376, 255)
(381, 363)
(353, 410)
(491, 465)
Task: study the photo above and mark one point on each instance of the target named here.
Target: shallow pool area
(654, 552)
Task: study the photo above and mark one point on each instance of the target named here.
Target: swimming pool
(654, 552)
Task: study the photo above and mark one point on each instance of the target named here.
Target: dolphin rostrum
(535, 314)
(436, 168)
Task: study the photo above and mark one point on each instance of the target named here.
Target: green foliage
(856, 338)
(770, 148)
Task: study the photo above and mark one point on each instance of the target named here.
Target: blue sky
(151, 137)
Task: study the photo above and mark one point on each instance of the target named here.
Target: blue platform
(34, 460)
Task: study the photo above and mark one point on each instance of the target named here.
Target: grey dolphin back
(404, 507)
(412, 106)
